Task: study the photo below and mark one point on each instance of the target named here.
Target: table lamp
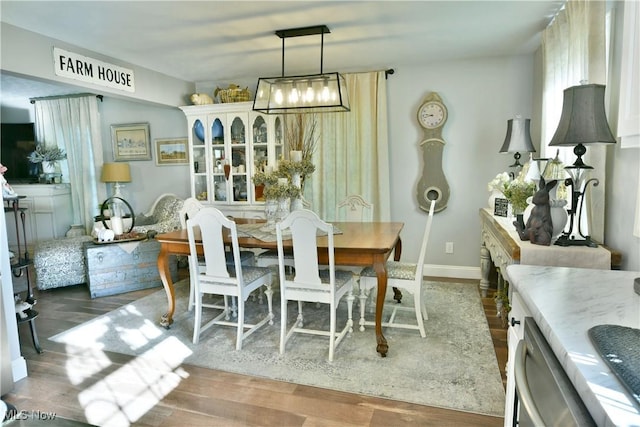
(582, 121)
(517, 139)
(116, 173)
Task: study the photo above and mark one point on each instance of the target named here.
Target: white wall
(148, 180)
(481, 95)
(31, 54)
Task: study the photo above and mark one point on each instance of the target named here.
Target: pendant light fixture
(314, 93)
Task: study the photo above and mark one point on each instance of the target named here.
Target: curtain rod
(387, 72)
(77, 95)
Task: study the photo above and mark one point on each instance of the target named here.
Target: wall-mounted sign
(90, 70)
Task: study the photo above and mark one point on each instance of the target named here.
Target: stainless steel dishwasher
(545, 394)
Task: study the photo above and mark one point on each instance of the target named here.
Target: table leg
(485, 267)
(381, 273)
(165, 275)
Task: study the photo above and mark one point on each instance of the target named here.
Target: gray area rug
(453, 367)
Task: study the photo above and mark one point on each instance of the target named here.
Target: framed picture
(131, 142)
(172, 151)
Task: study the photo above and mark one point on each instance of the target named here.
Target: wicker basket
(232, 94)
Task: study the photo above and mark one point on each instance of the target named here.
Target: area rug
(453, 367)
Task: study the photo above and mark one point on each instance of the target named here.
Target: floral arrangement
(518, 191)
(304, 168)
(265, 178)
(282, 191)
(500, 182)
(42, 154)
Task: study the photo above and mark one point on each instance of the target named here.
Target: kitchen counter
(566, 303)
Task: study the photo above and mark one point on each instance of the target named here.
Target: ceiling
(225, 41)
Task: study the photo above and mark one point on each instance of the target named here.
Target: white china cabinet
(227, 144)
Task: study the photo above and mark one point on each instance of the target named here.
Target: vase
(295, 155)
(283, 208)
(296, 204)
(559, 215)
(259, 191)
(495, 194)
(270, 212)
(48, 167)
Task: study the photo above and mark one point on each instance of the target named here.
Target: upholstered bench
(60, 262)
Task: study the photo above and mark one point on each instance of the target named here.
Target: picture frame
(501, 207)
(131, 142)
(172, 151)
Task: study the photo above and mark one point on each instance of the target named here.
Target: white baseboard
(451, 271)
(19, 369)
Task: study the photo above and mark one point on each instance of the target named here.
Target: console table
(502, 246)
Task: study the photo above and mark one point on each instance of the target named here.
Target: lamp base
(567, 240)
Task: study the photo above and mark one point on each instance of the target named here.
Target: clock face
(432, 115)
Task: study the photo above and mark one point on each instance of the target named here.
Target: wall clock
(432, 116)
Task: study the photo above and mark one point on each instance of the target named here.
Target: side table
(501, 245)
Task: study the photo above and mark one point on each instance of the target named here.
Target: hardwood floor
(190, 395)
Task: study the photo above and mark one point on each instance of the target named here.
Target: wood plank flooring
(191, 395)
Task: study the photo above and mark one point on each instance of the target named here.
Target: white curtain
(73, 124)
(574, 50)
(352, 156)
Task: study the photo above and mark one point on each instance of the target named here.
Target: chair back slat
(356, 209)
(425, 240)
(211, 223)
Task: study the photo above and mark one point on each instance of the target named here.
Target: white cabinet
(48, 212)
(514, 335)
(227, 143)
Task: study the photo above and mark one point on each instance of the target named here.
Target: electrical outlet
(448, 247)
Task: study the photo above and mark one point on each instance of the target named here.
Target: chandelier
(313, 93)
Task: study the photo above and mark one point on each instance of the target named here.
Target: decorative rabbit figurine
(539, 228)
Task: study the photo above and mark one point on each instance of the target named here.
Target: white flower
(500, 182)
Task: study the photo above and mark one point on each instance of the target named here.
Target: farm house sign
(79, 67)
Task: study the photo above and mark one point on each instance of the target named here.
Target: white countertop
(566, 303)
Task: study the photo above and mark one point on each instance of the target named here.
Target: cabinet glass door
(279, 138)
(199, 165)
(238, 164)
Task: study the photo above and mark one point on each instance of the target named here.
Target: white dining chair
(403, 275)
(354, 208)
(309, 283)
(219, 278)
(190, 207)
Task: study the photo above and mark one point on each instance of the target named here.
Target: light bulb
(309, 93)
(325, 93)
(293, 96)
(279, 97)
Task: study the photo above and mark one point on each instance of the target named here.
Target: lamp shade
(583, 119)
(116, 172)
(518, 137)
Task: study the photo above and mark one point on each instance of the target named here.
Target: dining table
(355, 244)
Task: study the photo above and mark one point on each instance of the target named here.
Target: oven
(545, 396)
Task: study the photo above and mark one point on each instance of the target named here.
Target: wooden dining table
(357, 244)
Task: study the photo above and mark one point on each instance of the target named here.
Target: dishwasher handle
(522, 385)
